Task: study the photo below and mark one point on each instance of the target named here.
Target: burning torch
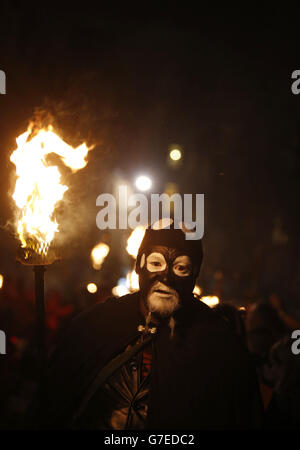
(37, 192)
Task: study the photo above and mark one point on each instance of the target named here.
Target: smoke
(77, 117)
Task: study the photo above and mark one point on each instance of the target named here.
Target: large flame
(38, 187)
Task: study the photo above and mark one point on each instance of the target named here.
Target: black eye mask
(184, 285)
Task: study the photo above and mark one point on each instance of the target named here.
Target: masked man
(155, 359)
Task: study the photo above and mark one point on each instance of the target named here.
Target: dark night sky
(136, 81)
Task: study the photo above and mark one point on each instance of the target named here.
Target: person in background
(281, 371)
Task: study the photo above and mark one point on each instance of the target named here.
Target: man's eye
(155, 262)
(181, 270)
(182, 266)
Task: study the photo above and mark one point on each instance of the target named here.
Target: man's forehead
(167, 252)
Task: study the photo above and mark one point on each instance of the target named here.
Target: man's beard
(162, 300)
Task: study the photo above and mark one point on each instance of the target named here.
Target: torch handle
(40, 320)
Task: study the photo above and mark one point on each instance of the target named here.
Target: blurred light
(143, 183)
(197, 290)
(210, 300)
(132, 281)
(122, 287)
(119, 291)
(175, 154)
(1, 281)
(98, 255)
(92, 288)
(134, 241)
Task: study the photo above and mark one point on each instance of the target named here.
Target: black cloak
(202, 377)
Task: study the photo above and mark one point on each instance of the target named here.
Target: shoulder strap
(111, 367)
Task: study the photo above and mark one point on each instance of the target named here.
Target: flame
(127, 285)
(132, 281)
(1, 281)
(38, 188)
(121, 288)
(210, 300)
(134, 241)
(197, 290)
(98, 255)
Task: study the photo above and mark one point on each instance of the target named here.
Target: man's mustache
(162, 288)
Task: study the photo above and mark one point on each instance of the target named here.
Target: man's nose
(166, 274)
